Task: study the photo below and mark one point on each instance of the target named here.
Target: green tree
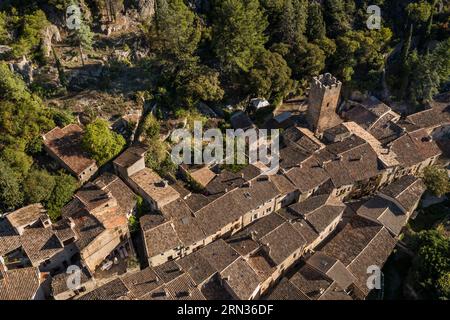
(62, 117)
(178, 30)
(11, 195)
(4, 33)
(65, 186)
(102, 143)
(151, 127)
(189, 116)
(437, 180)
(238, 33)
(306, 60)
(431, 265)
(360, 53)
(339, 16)
(38, 186)
(23, 117)
(30, 33)
(430, 71)
(158, 158)
(195, 82)
(270, 77)
(419, 11)
(18, 160)
(316, 29)
(83, 38)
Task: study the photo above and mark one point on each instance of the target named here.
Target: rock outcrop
(50, 34)
(146, 8)
(24, 68)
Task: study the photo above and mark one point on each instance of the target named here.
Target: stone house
(65, 146)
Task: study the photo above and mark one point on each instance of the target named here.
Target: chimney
(164, 183)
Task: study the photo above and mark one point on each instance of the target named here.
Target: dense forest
(216, 52)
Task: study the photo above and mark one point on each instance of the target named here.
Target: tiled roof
(141, 282)
(283, 242)
(309, 205)
(168, 271)
(9, 243)
(188, 230)
(352, 240)
(358, 164)
(334, 269)
(375, 254)
(413, 148)
(385, 212)
(113, 290)
(19, 284)
(131, 155)
(197, 267)
(26, 215)
(87, 227)
(285, 290)
(334, 292)
(126, 199)
(283, 184)
(183, 288)
(310, 282)
(303, 138)
(292, 156)
(263, 226)
(309, 176)
(241, 278)
(40, 244)
(219, 254)
(224, 182)
(407, 191)
(317, 212)
(66, 144)
(438, 114)
(234, 205)
(92, 196)
(161, 239)
(203, 176)
(59, 281)
(152, 184)
(176, 209)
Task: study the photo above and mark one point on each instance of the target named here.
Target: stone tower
(322, 104)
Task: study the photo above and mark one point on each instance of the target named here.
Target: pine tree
(238, 33)
(316, 29)
(177, 27)
(83, 38)
(339, 16)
